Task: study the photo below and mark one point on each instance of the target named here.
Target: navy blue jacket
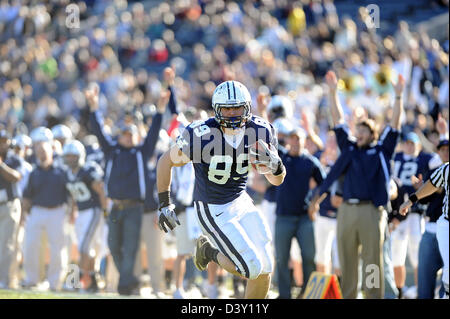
(126, 169)
(367, 170)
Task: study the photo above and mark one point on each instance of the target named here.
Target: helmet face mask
(231, 94)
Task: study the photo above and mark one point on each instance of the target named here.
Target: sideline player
(220, 150)
(85, 183)
(408, 231)
(439, 179)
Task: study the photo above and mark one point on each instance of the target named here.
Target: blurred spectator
(11, 172)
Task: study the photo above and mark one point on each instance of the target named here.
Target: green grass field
(29, 294)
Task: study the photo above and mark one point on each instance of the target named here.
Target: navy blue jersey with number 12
(221, 162)
(406, 166)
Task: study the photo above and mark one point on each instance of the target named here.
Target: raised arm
(337, 114)
(92, 95)
(169, 82)
(153, 132)
(399, 87)
(311, 133)
(442, 127)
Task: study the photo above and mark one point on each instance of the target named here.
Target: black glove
(166, 212)
(167, 217)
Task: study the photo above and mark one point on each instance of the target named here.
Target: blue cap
(442, 143)
(411, 136)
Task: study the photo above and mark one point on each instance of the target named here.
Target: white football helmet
(41, 134)
(280, 106)
(74, 147)
(231, 94)
(61, 131)
(283, 126)
(22, 141)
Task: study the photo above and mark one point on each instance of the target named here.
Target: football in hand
(254, 159)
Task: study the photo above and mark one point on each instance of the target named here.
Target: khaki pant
(9, 225)
(362, 227)
(152, 237)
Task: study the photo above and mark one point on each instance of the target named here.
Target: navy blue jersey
(47, 188)
(407, 166)
(221, 170)
(80, 185)
(95, 155)
(294, 194)
(8, 190)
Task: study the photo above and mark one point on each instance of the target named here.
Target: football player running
(221, 148)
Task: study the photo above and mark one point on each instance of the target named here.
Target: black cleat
(200, 259)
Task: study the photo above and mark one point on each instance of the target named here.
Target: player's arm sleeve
(388, 140)
(271, 134)
(152, 137)
(97, 127)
